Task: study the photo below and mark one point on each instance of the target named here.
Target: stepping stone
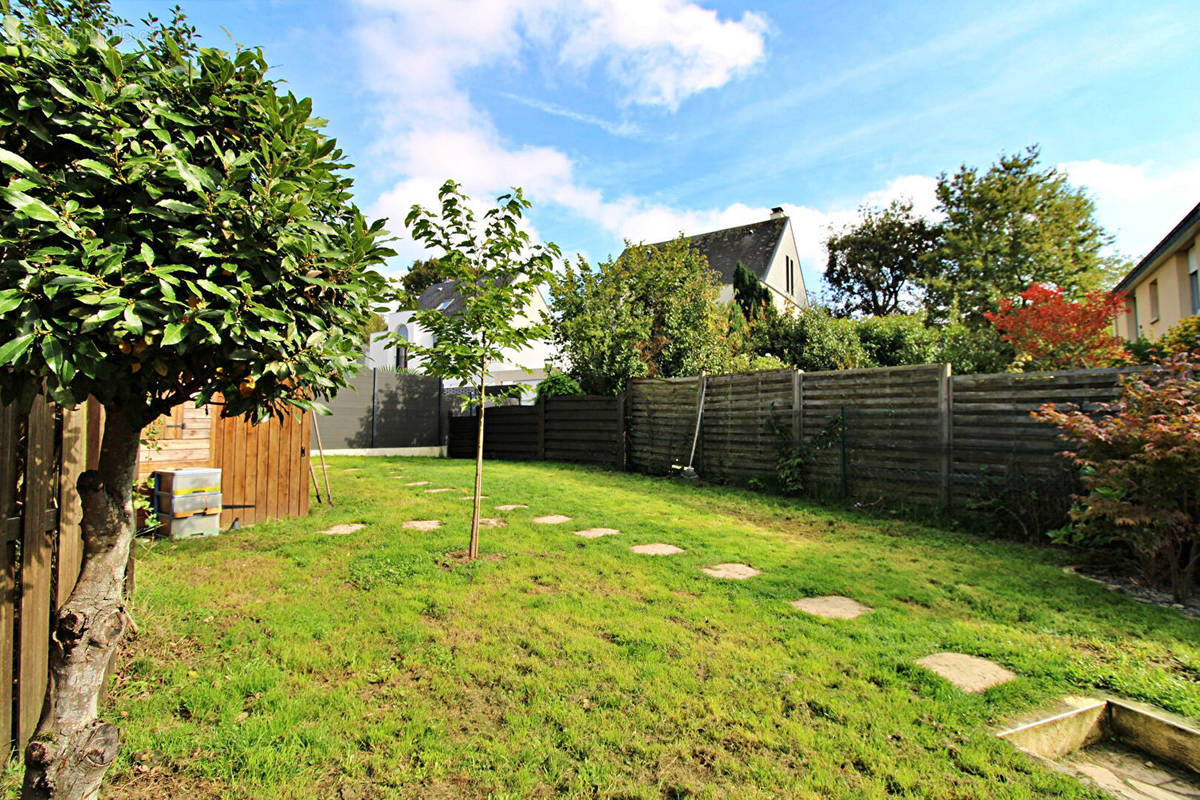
(351, 469)
(656, 549)
(417, 483)
(423, 524)
(436, 491)
(472, 497)
(551, 519)
(737, 572)
(511, 507)
(344, 529)
(491, 522)
(832, 607)
(596, 533)
(968, 673)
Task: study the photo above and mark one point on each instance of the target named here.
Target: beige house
(1165, 286)
(767, 249)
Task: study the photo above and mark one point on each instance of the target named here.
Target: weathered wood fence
(916, 435)
(41, 456)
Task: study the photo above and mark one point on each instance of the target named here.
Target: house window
(402, 350)
(1194, 278)
(789, 278)
(1154, 301)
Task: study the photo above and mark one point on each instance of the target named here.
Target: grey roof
(440, 293)
(753, 245)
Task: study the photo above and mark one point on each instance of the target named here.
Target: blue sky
(639, 119)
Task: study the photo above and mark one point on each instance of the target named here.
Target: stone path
(491, 522)
(511, 507)
(472, 497)
(656, 549)
(437, 491)
(344, 529)
(737, 572)
(832, 607)
(596, 533)
(417, 483)
(551, 519)
(969, 673)
(423, 524)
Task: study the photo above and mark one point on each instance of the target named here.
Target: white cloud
(416, 54)
(1139, 204)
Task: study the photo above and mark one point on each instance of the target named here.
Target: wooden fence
(913, 435)
(264, 468)
(584, 430)
(41, 456)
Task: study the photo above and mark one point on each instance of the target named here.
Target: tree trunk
(71, 750)
(473, 550)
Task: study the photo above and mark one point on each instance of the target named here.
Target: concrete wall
(383, 410)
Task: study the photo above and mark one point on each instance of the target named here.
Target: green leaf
(12, 350)
(29, 206)
(95, 167)
(16, 162)
(62, 89)
(179, 207)
(173, 334)
(147, 253)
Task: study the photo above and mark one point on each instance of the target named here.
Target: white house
(525, 366)
(767, 249)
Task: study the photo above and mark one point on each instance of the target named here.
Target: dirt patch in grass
(151, 782)
(461, 558)
(737, 572)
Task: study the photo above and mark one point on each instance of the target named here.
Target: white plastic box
(188, 481)
(191, 527)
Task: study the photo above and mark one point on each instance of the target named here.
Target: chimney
(777, 212)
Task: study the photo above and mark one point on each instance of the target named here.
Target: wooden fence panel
(999, 448)
(264, 468)
(584, 430)
(737, 436)
(10, 519)
(37, 553)
(662, 422)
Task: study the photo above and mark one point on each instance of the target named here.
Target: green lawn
(278, 662)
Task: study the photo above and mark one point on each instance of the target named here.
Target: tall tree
(650, 312)
(496, 270)
(177, 228)
(1012, 226)
(878, 265)
(751, 295)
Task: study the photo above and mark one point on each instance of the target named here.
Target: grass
(278, 662)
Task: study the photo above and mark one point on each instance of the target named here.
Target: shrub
(1140, 467)
(1183, 335)
(811, 340)
(898, 340)
(557, 384)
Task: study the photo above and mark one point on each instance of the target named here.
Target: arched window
(402, 350)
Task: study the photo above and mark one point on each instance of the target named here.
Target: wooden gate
(264, 468)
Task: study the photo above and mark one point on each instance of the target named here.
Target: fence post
(798, 408)
(541, 429)
(374, 403)
(945, 434)
(622, 451)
